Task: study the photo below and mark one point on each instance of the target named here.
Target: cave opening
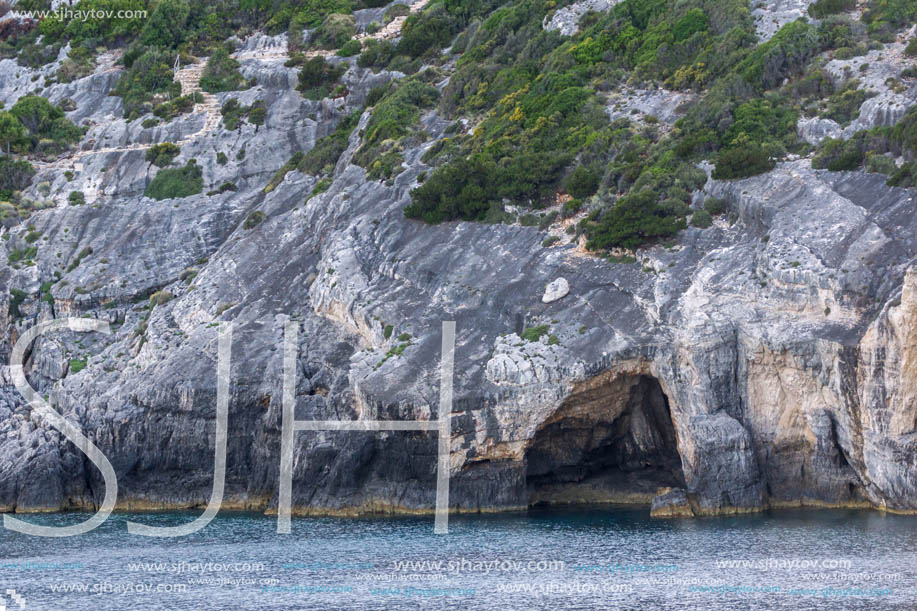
(614, 443)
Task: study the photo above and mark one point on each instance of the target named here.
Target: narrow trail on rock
(190, 79)
(390, 30)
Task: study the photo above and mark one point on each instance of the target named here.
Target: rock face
(566, 20)
(770, 361)
(877, 72)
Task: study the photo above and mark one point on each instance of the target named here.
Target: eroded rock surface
(768, 361)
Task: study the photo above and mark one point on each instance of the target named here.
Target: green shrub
(321, 186)
(911, 48)
(46, 126)
(746, 159)
(582, 182)
(715, 206)
(785, 54)
(905, 176)
(22, 254)
(350, 48)
(167, 24)
(233, 113)
(170, 110)
(336, 29)
(636, 218)
(221, 158)
(13, 135)
(76, 198)
(880, 164)
(376, 54)
(176, 182)
(822, 8)
(148, 74)
(162, 154)
(254, 218)
(17, 298)
(77, 365)
(15, 175)
(223, 188)
(257, 114)
(701, 219)
(395, 10)
(844, 106)
(533, 334)
(431, 30)
(161, 298)
(79, 63)
(317, 77)
(837, 155)
(392, 120)
(571, 207)
(221, 73)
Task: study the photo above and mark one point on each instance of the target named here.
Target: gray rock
(555, 290)
(767, 362)
(566, 19)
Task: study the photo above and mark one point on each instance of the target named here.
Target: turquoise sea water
(582, 559)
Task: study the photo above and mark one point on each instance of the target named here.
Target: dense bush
(167, 25)
(822, 8)
(376, 54)
(221, 73)
(905, 176)
(254, 218)
(911, 48)
(162, 154)
(148, 74)
(701, 219)
(180, 105)
(234, 113)
(13, 135)
(844, 105)
(176, 182)
(786, 54)
(317, 78)
(14, 176)
(744, 159)
(886, 17)
(636, 218)
(335, 30)
(47, 129)
(76, 198)
(392, 119)
(350, 48)
(838, 155)
(395, 10)
(79, 63)
(105, 27)
(459, 190)
(429, 31)
(582, 182)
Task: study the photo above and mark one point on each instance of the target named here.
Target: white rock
(555, 290)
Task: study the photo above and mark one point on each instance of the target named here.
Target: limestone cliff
(770, 360)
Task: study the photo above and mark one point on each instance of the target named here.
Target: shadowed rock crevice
(613, 444)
